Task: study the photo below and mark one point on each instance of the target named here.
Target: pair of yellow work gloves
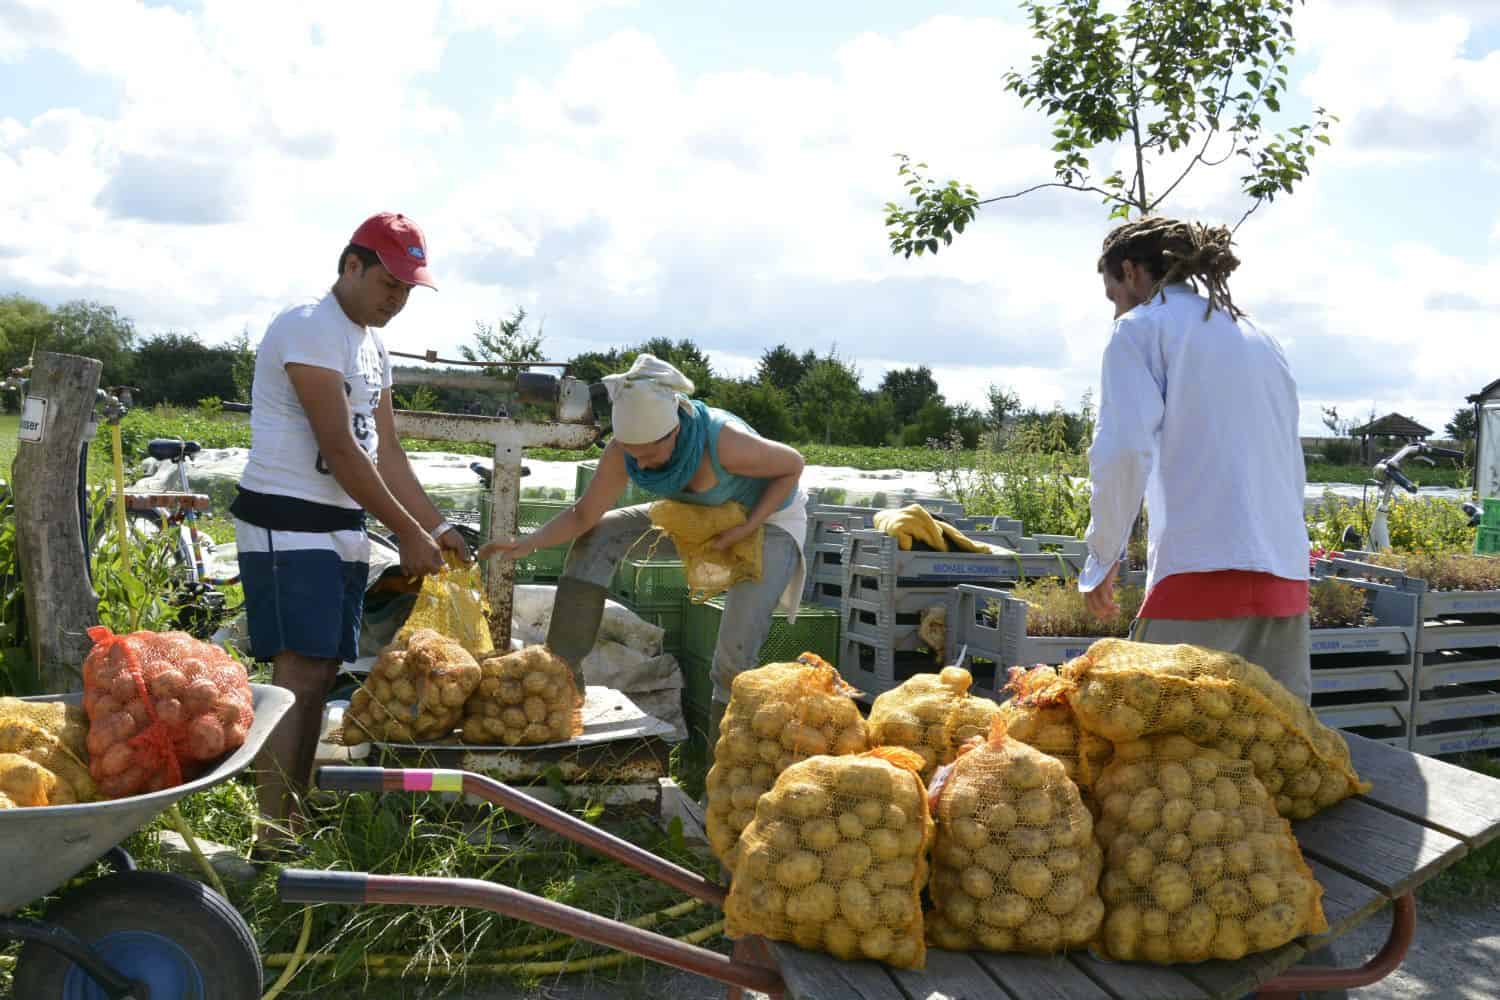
(915, 523)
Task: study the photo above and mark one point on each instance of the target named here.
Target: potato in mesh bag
(523, 697)
(933, 714)
(453, 604)
(1038, 714)
(1015, 866)
(416, 691)
(1124, 691)
(54, 736)
(1197, 864)
(692, 528)
(778, 714)
(836, 858)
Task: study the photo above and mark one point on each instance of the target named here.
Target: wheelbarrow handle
(380, 779)
(301, 886)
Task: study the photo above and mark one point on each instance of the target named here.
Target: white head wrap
(645, 400)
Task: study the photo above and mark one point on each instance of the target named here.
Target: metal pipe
(354, 887)
(377, 779)
(1293, 982)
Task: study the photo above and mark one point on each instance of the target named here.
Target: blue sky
(716, 170)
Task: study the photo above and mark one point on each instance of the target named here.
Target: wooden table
(1421, 816)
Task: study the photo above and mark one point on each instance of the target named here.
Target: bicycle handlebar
(1400, 479)
(1444, 452)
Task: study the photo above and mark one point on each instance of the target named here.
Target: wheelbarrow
(749, 967)
(130, 935)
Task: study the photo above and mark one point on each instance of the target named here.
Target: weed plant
(1332, 604)
(1056, 608)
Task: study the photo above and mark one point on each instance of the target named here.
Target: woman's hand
(733, 536)
(512, 549)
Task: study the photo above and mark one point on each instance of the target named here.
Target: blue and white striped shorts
(304, 590)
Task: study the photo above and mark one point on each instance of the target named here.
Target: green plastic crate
(650, 583)
(697, 692)
(815, 631)
(544, 565)
(1491, 516)
(1487, 541)
(669, 619)
(633, 494)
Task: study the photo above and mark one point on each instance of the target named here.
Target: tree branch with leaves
(1163, 77)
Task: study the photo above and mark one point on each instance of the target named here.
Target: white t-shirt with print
(284, 456)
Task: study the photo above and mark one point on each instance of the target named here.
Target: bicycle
(1388, 476)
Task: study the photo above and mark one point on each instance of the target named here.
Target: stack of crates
(1487, 538)
(633, 494)
(986, 627)
(816, 630)
(544, 565)
(1455, 637)
(885, 591)
(656, 590)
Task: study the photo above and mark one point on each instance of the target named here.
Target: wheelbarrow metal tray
(41, 847)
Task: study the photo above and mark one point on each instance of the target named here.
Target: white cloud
(627, 197)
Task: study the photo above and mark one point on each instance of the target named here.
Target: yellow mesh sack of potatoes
(1198, 864)
(51, 736)
(1038, 714)
(835, 859)
(1015, 866)
(933, 714)
(523, 697)
(1124, 691)
(693, 528)
(453, 604)
(416, 691)
(778, 714)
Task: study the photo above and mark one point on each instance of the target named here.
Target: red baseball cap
(399, 244)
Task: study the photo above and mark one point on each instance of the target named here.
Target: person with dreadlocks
(1198, 415)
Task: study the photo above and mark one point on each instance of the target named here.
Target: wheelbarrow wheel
(172, 933)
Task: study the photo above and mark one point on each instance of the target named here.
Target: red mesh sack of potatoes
(161, 706)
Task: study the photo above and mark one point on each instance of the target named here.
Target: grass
(1476, 877)
(1442, 475)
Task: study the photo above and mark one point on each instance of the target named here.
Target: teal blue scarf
(687, 454)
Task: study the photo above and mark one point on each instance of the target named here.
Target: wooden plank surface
(811, 976)
(1137, 980)
(1389, 852)
(1232, 980)
(950, 975)
(1031, 977)
(1459, 802)
(1347, 902)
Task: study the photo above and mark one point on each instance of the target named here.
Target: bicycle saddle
(171, 449)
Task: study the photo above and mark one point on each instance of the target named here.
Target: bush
(1340, 451)
(1445, 571)
(1336, 605)
(1057, 608)
(1035, 478)
(1422, 524)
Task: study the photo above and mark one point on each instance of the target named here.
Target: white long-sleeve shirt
(1200, 416)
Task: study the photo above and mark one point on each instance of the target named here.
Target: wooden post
(56, 417)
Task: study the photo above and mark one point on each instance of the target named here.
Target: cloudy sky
(716, 170)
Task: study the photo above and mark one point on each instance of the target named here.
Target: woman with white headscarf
(677, 448)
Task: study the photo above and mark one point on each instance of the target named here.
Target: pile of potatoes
(43, 754)
(1015, 865)
(931, 714)
(416, 691)
(161, 707)
(523, 697)
(778, 715)
(1125, 691)
(1198, 864)
(836, 857)
(1037, 716)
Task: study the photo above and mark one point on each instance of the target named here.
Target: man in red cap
(324, 450)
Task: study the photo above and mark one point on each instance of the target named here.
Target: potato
(1207, 866)
(959, 909)
(1139, 865)
(820, 834)
(1122, 932)
(1030, 877)
(1171, 887)
(1080, 926)
(1067, 893)
(850, 826)
(848, 859)
(978, 882)
(841, 940)
(817, 903)
(1024, 842)
(801, 800)
(1206, 826)
(1035, 807)
(798, 870)
(969, 832)
(884, 844)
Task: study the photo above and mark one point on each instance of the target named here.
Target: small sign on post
(33, 419)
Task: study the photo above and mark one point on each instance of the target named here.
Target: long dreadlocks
(1173, 251)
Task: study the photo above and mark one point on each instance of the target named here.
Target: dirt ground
(1456, 956)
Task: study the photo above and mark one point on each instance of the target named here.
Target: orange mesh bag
(1198, 864)
(836, 858)
(523, 697)
(416, 691)
(161, 707)
(1124, 691)
(1038, 714)
(933, 714)
(51, 735)
(778, 714)
(453, 604)
(1015, 866)
(692, 528)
